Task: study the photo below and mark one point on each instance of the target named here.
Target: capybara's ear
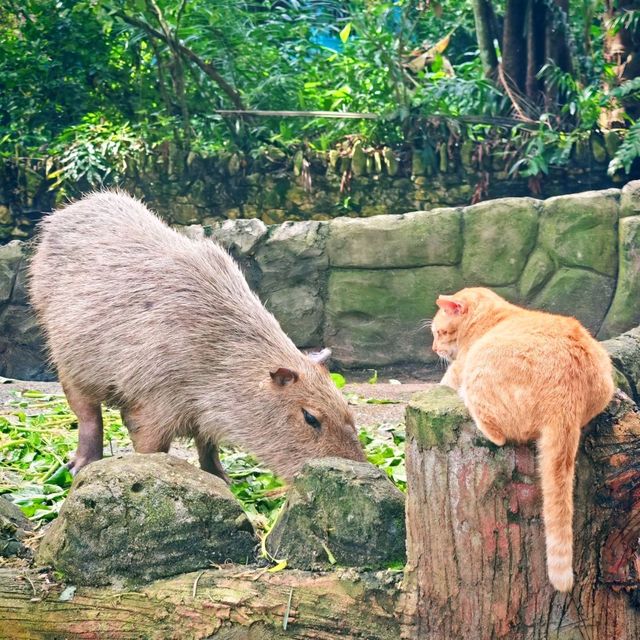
(320, 357)
(452, 306)
(282, 377)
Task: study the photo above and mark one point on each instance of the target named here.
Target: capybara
(165, 328)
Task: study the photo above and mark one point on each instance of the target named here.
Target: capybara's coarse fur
(527, 375)
(166, 329)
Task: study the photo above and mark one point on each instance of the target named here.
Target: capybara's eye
(311, 420)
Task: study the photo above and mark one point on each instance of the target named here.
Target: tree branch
(207, 68)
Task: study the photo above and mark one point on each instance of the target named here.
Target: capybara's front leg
(89, 417)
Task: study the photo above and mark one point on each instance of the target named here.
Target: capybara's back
(167, 329)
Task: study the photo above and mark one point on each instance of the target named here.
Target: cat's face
(445, 326)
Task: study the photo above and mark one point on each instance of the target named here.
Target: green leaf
(278, 567)
(374, 378)
(339, 380)
(61, 477)
(330, 555)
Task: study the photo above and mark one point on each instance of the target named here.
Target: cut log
(230, 603)
(476, 553)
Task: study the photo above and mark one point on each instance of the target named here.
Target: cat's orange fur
(527, 375)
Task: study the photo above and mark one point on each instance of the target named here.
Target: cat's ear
(451, 306)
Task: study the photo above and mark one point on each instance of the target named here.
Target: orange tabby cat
(527, 375)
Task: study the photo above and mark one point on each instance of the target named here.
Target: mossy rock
(292, 252)
(434, 417)
(299, 310)
(537, 271)
(340, 513)
(239, 237)
(582, 294)
(14, 528)
(624, 351)
(135, 518)
(579, 230)
(415, 239)
(498, 237)
(630, 199)
(624, 312)
(10, 257)
(377, 316)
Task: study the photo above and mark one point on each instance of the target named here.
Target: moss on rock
(583, 294)
(537, 272)
(340, 512)
(630, 199)
(415, 239)
(625, 355)
(378, 315)
(498, 237)
(625, 308)
(579, 230)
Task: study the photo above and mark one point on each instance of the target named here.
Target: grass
(38, 434)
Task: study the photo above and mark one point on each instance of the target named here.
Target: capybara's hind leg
(208, 453)
(146, 435)
(89, 417)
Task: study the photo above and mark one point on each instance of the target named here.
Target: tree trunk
(622, 49)
(514, 50)
(535, 26)
(483, 18)
(232, 603)
(476, 552)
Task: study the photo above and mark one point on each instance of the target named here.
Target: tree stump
(476, 552)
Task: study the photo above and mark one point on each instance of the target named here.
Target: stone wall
(364, 287)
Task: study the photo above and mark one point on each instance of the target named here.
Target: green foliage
(628, 152)
(38, 433)
(90, 84)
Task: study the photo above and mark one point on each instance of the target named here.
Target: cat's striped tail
(558, 446)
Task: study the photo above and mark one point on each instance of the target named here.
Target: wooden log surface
(228, 603)
(476, 553)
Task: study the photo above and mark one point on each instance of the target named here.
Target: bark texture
(230, 604)
(476, 552)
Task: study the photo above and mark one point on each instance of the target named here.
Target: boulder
(239, 237)
(538, 270)
(498, 237)
(625, 309)
(10, 256)
(630, 199)
(376, 317)
(14, 528)
(583, 294)
(340, 512)
(579, 230)
(625, 355)
(415, 239)
(299, 310)
(135, 518)
(293, 252)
